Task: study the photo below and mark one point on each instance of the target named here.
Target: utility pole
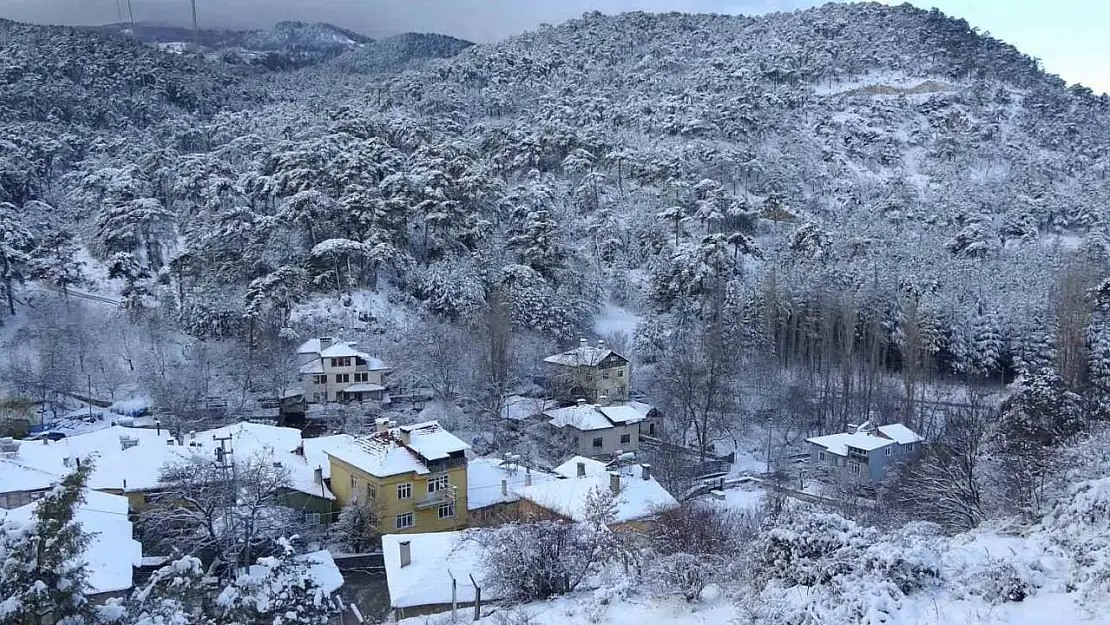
(227, 472)
(196, 29)
(90, 397)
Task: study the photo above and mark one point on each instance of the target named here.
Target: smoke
(476, 20)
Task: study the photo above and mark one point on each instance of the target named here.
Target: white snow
(622, 414)
(900, 433)
(112, 552)
(484, 476)
(615, 320)
(583, 355)
(594, 468)
(838, 444)
(638, 498)
(583, 417)
(321, 569)
(436, 558)
(517, 408)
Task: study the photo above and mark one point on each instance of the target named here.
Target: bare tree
(946, 484)
(222, 516)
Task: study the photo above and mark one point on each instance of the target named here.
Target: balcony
(431, 500)
(446, 464)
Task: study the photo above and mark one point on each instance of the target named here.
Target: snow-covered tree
(16, 242)
(43, 576)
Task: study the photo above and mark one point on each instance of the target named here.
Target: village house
(637, 494)
(596, 430)
(425, 573)
(492, 485)
(128, 462)
(589, 373)
(414, 476)
(112, 554)
(334, 371)
(865, 453)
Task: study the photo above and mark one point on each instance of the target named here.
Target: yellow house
(590, 373)
(413, 476)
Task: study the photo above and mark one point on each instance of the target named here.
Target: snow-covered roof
(484, 476)
(270, 442)
(364, 387)
(383, 454)
(641, 407)
(435, 557)
(638, 498)
(622, 414)
(316, 450)
(112, 553)
(583, 355)
(134, 468)
(593, 467)
(584, 417)
(313, 367)
(337, 349)
(900, 433)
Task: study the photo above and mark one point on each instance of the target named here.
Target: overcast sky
(1069, 36)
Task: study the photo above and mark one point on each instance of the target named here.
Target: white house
(597, 430)
(334, 371)
(865, 453)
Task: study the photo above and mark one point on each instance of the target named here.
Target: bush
(685, 574)
(1001, 582)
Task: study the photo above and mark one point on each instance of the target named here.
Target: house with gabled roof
(334, 371)
(414, 477)
(865, 453)
(596, 430)
(588, 372)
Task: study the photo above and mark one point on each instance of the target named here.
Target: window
(605, 374)
(362, 377)
(341, 362)
(404, 491)
(620, 373)
(651, 429)
(354, 485)
(888, 450)
(598, 443)
(447, 510)
(319, 379)
(371, 492)
(821, 457)
(341, 378)
(437, 483)
(626, 438)
(404, 521)
(855, 467)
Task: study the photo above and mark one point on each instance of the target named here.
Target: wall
(332, 388)
(388, 505)
(497, 514)
(610, 440)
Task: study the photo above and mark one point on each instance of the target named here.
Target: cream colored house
(594, 430)
(589, 373)
(334, 371)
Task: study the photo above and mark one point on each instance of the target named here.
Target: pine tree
(355, 529)
(43, 578)
(280, 590)
(55, 261)
(15, 245)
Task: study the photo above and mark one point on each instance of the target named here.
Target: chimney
(381, 425)
(645, 471)
(406, 553)
(325, 342)
(582, 342)
(601, 344)
(124, 483)
(405, 436)
(192, 435)
(615, 482)
(318, 475)
(581, 469)
(603, 400)
(504, 487)
(580, 402)
(527, 476)
(78, 459)
(158, 427)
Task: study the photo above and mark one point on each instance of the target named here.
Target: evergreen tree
(356, 528)
(15, 246)
(43, 577)
(55, 261)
